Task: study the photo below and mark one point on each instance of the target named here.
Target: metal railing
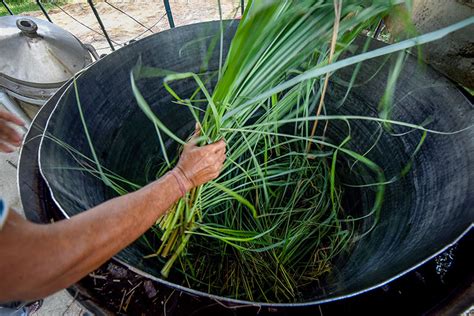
(104, 33)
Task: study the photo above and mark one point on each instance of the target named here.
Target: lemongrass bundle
(274, 216)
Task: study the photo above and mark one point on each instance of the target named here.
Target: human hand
(198, 165)
(9, 137)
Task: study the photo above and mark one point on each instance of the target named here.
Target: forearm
(111, 226)
(57, 255)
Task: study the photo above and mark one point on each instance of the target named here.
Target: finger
(215, 175)
(219, 157)
(9, 134)
(221, 152)
(217, 146)
(7, 116)
(222, 159)
(212, 173)
(4, 148)
(193, 141)
(217, 167)
(197, 129)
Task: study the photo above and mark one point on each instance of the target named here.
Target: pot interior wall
(422, 213)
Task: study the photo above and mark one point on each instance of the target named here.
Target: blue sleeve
(3, 213)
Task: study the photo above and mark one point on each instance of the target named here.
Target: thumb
(193, 141)
(197, 129)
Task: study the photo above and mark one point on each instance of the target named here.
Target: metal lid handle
(27, 26)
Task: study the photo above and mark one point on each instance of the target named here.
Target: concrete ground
(61, 303)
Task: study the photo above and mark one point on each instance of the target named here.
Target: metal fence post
(44, 10)
(7, 7)
(91, 4)
(168, 13)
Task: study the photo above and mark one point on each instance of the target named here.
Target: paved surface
(61, 303)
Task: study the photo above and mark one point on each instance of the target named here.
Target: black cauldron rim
(232, 302)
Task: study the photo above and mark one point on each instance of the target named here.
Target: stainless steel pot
(36, 58)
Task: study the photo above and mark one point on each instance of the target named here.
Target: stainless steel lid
(36, 52)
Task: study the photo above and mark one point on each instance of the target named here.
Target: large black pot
(423, 213)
